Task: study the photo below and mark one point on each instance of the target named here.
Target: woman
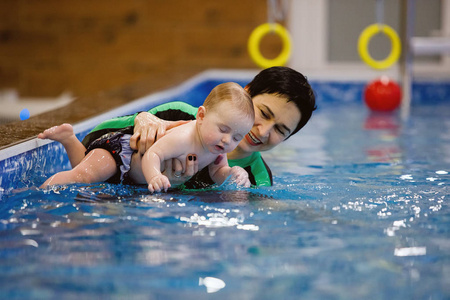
(283, 101)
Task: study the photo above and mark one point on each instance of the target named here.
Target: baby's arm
(168, 147)
(151, 167)
(219, 171)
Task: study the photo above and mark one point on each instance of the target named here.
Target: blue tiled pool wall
(424, 92)
(31, 168)
(23, 170)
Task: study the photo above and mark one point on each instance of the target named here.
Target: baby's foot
(58, 133)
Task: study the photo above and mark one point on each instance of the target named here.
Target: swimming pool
(359, 209)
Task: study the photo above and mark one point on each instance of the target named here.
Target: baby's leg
(98, 165)
(65, 135)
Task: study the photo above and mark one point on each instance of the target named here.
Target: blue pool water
(359, 210)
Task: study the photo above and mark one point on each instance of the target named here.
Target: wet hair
(233, 92)
(289, 84)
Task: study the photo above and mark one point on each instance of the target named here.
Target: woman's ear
(201, 113)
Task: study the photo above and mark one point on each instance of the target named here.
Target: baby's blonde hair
(232, 92)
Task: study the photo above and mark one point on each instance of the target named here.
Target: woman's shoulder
(255, 157)
(182, 109)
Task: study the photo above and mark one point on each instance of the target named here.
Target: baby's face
(224, 127)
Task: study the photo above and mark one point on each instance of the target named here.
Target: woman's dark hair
(289, 84)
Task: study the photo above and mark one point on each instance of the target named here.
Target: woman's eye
(280, 131)
(264, 115)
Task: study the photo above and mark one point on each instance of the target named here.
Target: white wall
(309, 22)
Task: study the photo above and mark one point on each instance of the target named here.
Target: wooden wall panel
(85, 46)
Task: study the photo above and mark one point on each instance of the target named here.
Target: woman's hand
(149, 128)
(174, 169)
(240, 176)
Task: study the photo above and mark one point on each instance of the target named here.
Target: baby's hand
(240, 176)
(158, 183)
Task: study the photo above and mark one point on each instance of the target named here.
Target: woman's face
(275, 119)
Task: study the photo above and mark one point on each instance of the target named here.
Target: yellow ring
(363, 43)
(255, 39)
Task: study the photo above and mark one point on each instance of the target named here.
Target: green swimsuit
(259, 172)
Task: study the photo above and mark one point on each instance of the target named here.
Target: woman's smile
(252, 139)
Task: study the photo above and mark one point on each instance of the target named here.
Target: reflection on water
(359, 208)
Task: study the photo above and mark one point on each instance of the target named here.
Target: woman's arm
(148, 128)
(170, 111)
(154, 124)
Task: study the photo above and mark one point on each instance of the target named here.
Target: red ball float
(383, 94)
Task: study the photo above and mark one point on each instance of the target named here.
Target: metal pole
(407, 24)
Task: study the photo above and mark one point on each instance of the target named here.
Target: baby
(226, 116)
